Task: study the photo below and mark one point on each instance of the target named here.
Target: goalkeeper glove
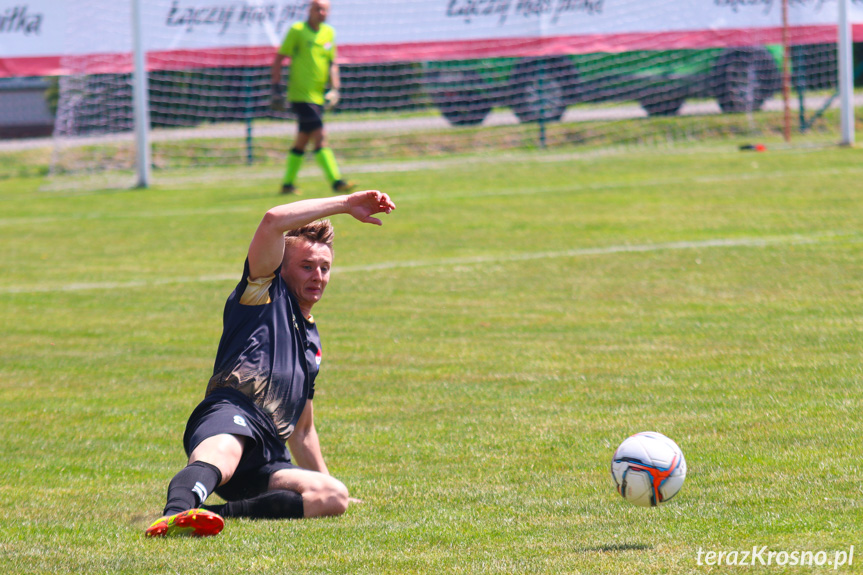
(332, 98)
(277, 99)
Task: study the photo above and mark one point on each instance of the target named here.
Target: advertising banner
(50, 37)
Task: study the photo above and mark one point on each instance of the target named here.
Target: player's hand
(332, 98)
(277, 99)
(363, 205)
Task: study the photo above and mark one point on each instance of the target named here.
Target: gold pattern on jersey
(257, 291)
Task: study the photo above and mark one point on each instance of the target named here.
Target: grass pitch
(484, 353)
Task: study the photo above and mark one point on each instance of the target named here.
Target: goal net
(422, 78)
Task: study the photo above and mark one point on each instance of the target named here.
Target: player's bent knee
(222, 451)
(327, 499)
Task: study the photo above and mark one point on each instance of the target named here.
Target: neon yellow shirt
(311, 53)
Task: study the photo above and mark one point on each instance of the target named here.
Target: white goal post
(846, 72)
(140, 102)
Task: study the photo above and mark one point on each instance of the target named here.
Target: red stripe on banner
(39, 66)
(122, 63)
(212, 58)
(424, 51)
(553, 46)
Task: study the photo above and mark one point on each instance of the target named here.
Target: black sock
(271, 505)
(298, 152)
(191, 486)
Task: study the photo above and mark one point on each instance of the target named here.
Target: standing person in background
(311, 47)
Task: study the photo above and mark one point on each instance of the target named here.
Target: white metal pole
(786, 72)
(140, 98)
(846, 75)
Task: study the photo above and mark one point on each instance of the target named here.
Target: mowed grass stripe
(448, 262)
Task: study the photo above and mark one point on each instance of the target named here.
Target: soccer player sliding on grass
(258, 402)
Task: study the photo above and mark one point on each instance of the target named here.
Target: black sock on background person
(191, 486)
(280, 504)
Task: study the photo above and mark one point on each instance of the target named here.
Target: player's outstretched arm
(268, 244)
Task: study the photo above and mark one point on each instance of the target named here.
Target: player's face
(318, 12)
(306, 270)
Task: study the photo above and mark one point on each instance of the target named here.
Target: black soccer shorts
(229, 411)
(310, 117)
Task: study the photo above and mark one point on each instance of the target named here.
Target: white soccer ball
(648, 468)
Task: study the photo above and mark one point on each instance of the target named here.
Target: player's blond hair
(319, 232)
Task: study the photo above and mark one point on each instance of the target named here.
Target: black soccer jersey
(268, 351)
